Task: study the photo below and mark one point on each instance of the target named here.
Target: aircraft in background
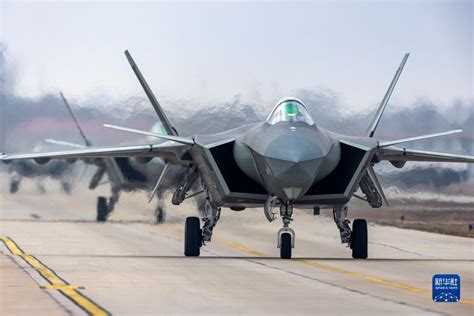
(284, 162)
(124, 174)
(58, 170)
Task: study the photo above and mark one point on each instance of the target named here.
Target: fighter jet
(58, 170)
(124, 174)
(285, 162)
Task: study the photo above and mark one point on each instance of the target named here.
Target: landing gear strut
(212, 215)
(340, 218)
(356, 238)
(286, 235)
(194, 236)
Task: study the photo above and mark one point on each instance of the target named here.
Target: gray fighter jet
(285, 162)
(124, 174)
(60, 171)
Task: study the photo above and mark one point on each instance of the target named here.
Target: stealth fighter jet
(124, 174)
(284, 162)
(59, 171)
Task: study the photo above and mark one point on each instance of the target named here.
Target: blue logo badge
(446, 288)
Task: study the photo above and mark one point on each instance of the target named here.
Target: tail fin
(88, 143)
(378, 115)
(170, 130)
(375, 122)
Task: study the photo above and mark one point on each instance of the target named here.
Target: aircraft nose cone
(290, 179)
(296, 147)
(288, 159)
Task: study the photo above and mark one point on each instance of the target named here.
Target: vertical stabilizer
(375, 122)
(87, 141)
(170, 130)
(378, 115)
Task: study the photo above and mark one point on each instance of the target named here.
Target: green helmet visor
(291, 109)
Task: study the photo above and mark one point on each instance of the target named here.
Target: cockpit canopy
(289, 110)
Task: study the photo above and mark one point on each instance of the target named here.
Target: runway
(56, 260)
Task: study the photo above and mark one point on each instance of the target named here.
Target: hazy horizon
(211, 52)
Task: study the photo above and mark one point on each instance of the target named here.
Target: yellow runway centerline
(327, 267)
(56, 282)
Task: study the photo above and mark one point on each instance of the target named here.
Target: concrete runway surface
(56, 260)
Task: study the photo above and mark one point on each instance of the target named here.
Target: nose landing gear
(286, 235)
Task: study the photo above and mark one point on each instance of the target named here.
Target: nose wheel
(286, 235)
(285, 246)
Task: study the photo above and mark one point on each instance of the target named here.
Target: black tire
(192, 237)
(66, 187)
(14, 186)
(160, 215)
(285, 246)
(359, 239)
(102, 210)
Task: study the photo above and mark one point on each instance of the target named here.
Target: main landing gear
(15, 184)
(104, 207)
(359, 239)
(194, 236)
(159, 214)
(356, 238)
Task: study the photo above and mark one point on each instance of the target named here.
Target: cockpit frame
(289, 110)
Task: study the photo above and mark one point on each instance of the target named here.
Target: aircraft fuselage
(287, 158)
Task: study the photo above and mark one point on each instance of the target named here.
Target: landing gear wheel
(285, 246)
(159, 215)
(102, 210)
(359, 239)
(14, 186)
(192, 237)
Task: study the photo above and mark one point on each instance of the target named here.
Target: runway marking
(327, 267)
(240, 247)
(56, 282)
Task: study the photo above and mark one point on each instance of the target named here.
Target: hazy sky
(264, 51)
